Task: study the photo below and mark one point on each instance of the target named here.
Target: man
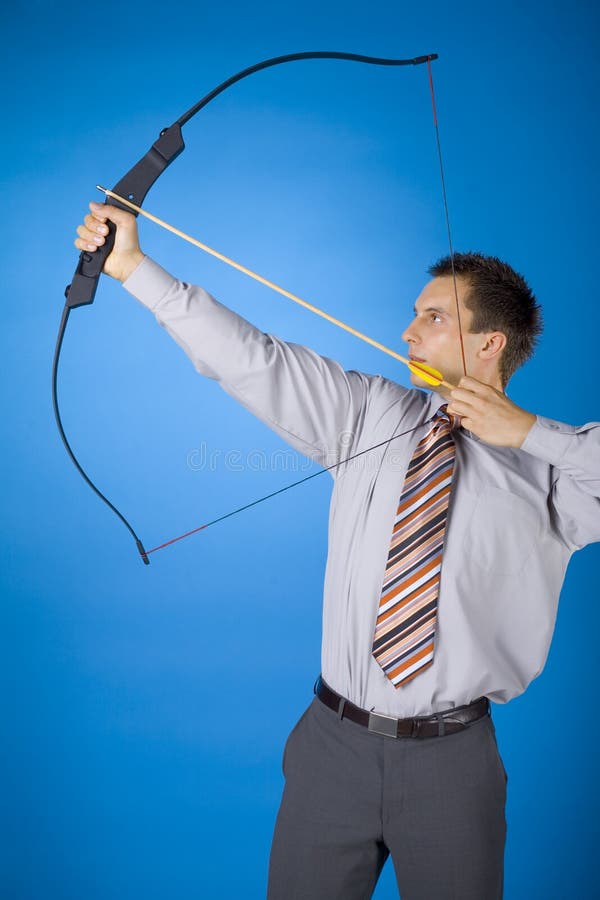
(448, 544)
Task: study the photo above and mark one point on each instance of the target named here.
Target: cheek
(472, 346)
(443, 342)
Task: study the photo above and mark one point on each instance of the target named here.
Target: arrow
(426, 373)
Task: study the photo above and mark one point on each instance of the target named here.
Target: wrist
(129, 265)
(529, 420)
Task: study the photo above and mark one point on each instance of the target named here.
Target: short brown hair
(500, 300)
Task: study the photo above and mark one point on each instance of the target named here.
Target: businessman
(448, 545)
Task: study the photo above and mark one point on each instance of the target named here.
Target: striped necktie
(406, 619)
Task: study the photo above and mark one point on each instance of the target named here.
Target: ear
(492, 345)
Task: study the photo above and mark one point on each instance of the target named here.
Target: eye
(435, 317)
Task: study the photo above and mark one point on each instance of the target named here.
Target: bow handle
(134, 185)
(82, 289)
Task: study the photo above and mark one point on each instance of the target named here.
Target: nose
(410, 335)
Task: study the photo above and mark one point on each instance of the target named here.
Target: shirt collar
(434, 402)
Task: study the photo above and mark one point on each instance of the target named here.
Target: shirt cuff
(549, 440)
(149, 283)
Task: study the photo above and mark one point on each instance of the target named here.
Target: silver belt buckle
(385, 725)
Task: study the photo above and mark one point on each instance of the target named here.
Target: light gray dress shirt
(515, 515)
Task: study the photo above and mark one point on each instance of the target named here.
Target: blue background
(137, 762)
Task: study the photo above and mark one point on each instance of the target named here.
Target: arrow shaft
(260, 278)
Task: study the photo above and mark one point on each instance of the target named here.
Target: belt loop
(441, 725)
(341, 706)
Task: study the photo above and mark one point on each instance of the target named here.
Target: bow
(134, 187)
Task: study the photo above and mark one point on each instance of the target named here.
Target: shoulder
(384, 397)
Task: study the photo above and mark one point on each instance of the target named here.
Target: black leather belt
(447, 722)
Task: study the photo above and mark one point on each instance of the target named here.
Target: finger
(95, 224)
(98, 210)
(84, 245)
(467, 407)
(460, 395)
(469, 383)
(91, 238)
(459, 409)
(106, 211)
(476, 387)
(88, 240)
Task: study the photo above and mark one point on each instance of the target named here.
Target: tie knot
(443, 413)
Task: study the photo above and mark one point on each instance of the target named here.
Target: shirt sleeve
(310, 401)
(574, 455)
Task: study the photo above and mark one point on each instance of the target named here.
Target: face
(433, 335)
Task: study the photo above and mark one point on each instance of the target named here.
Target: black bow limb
(134, 186)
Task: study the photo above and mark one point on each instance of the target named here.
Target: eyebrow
(436, 309)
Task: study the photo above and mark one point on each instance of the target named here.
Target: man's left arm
(573, 452)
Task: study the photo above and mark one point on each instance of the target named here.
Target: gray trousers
(351, 798)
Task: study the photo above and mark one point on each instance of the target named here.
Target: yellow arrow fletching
(426, 373)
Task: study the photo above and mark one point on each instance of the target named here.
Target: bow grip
(82, 289)
(134, 185)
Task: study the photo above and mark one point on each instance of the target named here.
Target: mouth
(416, 359)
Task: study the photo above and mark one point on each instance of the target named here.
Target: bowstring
(348, 459)
(287, 487)
(446, 215)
